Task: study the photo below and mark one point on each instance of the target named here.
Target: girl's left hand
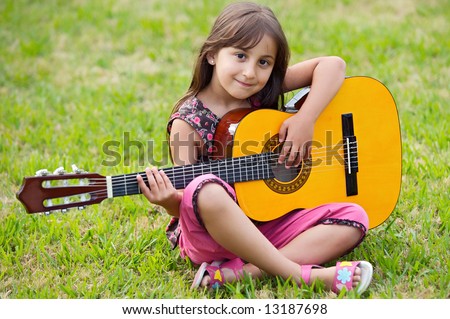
(160, 190)
(296, 133)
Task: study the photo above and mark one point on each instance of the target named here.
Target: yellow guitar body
(377, 132)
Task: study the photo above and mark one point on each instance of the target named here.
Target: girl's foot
(346, 274)
(326, 275)
(213, 276)
(227, 276)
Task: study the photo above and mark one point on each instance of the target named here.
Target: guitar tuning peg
(77, 170)
(59, 171)
(45, 172)
(47, 213)
(42, 172)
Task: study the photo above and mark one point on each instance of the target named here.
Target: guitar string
(232, 169)
(233, 160)
(314, 155)
(132, 182)
(131, 178)
(232, 166)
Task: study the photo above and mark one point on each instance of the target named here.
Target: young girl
(244, 64)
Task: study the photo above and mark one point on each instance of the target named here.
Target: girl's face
(239, 73)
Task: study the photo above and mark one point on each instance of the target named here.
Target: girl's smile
(244, 84)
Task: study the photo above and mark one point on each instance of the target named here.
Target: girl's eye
(264, 62)
(240, 56)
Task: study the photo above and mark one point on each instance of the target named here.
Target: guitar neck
(231, 170)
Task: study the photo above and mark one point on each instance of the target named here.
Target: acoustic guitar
(355, 156)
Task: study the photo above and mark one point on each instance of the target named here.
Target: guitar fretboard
(231, 170)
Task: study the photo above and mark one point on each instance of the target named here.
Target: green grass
(76, 74)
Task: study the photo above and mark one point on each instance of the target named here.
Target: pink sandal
(215, 272)
(343, 276)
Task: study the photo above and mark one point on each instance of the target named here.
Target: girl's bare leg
(231, 228)
(317, 246)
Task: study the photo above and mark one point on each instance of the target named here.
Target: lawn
(76, 76)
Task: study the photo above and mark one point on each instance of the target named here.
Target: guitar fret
(260, 168)
(218, 170)
(240, 171)
(193, 172)
(189, 176)
(266, 164)
(246, 169)
(172, 177)
(226, 170)
(211, 168)
(232, 178)
(237, 170)
(261, 159)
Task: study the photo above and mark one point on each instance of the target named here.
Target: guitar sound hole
(285, 180)
(284, 174)
(280, 171)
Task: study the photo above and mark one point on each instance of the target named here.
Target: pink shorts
(199, 246)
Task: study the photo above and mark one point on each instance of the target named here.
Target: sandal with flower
(343, 276)
(214, 271)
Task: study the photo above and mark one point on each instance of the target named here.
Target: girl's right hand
(160, 190)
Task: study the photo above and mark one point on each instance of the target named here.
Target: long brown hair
(243, 25)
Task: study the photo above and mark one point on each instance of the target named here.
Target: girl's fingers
(140, 182)
(282, 133)
(150, 189)
(284, 152)
(158, 177)
(145, 190)
(166, 179)
(151, 183)
(294, 157)
(152, 179)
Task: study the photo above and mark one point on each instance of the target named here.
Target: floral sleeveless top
(202, 119)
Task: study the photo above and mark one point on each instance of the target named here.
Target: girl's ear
(210, 58)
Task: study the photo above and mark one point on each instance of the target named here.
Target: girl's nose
(249, 71)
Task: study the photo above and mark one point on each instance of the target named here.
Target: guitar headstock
(58, 191)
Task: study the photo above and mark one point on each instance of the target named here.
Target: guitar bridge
(350, 154)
